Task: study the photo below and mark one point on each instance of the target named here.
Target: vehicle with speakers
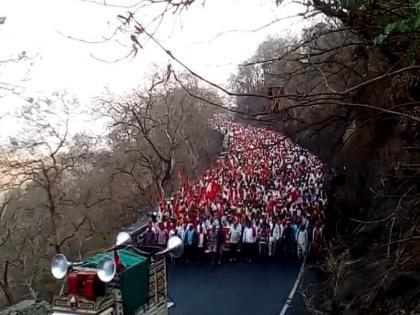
(127, 279)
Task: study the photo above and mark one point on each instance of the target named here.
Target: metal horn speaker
(122, 238)
(106, 269)
(130, 235)
(60, 266)
(175, 247)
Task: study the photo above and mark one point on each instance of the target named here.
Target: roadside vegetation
(347, 89)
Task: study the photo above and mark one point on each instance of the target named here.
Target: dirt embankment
(372, 258)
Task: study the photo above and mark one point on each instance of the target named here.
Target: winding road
(260, 288)
(257, 156)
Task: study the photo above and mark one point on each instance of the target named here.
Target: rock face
(28, 307)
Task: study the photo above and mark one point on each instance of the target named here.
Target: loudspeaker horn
(130, 235)
(175, 247)
(60, 266)
(123, 237)
(106, 269)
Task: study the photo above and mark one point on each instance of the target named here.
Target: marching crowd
(264, 197)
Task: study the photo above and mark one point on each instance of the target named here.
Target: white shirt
(302, 238)
(276, 232)
(201, 240)
(248, 236)
(281, 230)
(235, 234)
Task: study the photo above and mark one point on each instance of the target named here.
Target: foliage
(410, 24)
(352, 4)
(69, 192)
(299, 71)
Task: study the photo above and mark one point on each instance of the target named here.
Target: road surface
(259, 288)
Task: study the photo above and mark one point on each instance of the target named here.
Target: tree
(40, 168)
(159, 131)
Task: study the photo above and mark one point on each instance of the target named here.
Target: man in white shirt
(235, 234)
(248, 241)
(274, 238)
(302, 242)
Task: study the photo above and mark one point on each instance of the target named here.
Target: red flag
(215, 189)
(176, 206)
(117, 260)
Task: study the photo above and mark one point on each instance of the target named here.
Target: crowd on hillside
(265, 196)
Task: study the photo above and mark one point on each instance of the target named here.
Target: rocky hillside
(28, 307)
(349, 91)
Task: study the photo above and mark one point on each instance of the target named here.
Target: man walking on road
(302, 242)
(263, 234)
(274, 238)
(212, 244)
(162, 236)
(288, 241)
(317, 238)
(149, 236)
(190, 242)
(235, 234)
(248, 241)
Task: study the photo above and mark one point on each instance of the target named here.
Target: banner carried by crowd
(265, 195)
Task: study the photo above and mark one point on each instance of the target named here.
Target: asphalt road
(259, 288)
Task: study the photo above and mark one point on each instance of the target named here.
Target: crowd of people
(265, 197)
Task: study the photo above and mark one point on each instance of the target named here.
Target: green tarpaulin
(134, 280)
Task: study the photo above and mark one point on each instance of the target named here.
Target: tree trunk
(7, 293)
(4, 285)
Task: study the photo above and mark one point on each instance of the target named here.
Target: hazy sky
(36, 26)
